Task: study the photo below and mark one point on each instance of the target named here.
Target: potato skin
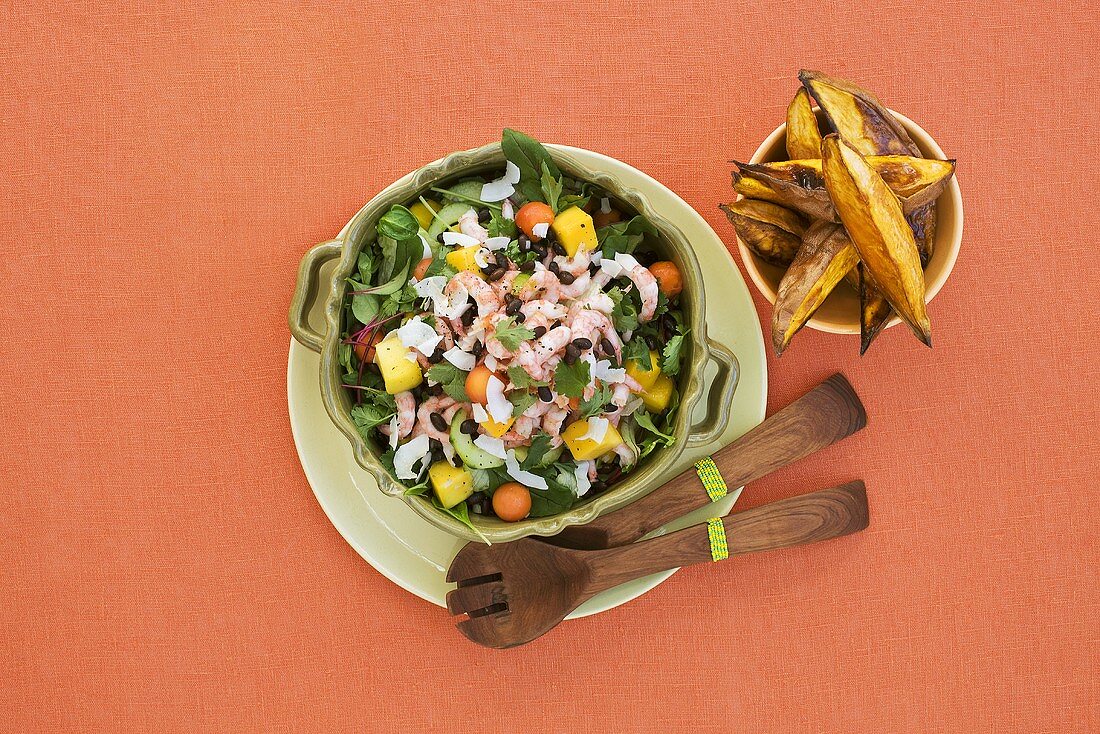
(859, 117)
(773, 232)
(803, 135)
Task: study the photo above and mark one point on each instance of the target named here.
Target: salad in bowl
(511, 342)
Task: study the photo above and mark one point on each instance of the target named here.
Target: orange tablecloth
(165, 566)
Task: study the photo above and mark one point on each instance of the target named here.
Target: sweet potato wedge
(824, 258)
(751, 188)
(863, 121)
(873, 217)
(771, 231)
(803, 135)
(800, 184)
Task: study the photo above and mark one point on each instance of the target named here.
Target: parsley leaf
(571, 379)
(541, 445)
(595, 404)
(625, 313)
(452, 378)
(521, 401)
(670, 361)
(501, 227)
(645, 420)
(522, 379)
(637, 351)
(510, 335)
(369, 415)
(440, 266)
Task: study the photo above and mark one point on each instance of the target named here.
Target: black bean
(582, 343)
(527, 267)
(477, 349)
(554, 267)
(458, 459)
(437, 356)
(513, 307)
(468, 317)
(439, 422)
(599, 485)
(555, 325)
(593, 269)
(469, 427)
(651, 342)
(504, 262)
(571, 354)
(524, 243)
(483, 215)
(607, 347)
(645, 258)
(566, 278)
(435, 390)
(559, 248)
(539, 331)
(496, 274)
(546, 395)
(520, 318)
(435, 448)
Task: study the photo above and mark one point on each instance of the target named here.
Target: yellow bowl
(839, 314)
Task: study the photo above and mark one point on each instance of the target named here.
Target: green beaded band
(711, 478)
(716, 531)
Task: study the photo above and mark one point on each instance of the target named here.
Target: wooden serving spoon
(515, 592)
(820, 418)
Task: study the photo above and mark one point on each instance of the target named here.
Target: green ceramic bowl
(489, 159)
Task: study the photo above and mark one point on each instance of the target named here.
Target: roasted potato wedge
(803, 135)
(873, 217)
(824, 258)
(751, 188)
(771, 231)
(863, 121)
(800, 184)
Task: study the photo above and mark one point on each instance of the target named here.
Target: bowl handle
(720, 399)
(306, 291)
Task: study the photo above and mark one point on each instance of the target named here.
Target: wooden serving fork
(515, 592)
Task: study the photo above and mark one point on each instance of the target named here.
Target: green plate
(413, 553)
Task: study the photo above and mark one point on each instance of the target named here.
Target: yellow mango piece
(398, 372)
(585, 449)
(423, 214)
(496, 430)
(645, 378)
(658, 395)
(463, 259)
(451, 484)
(575, 230)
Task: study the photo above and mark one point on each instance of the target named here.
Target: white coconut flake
(479, 413)
(419, 336)
(503, 187)
(605, 205)
(628, 262)
(540, 229)
(597, 257)
(604, 371)
(449, 452)
(526, 478)
(583, 482)
(490, 362)
(490, 445)
(507, 211)
(497, 243)
(408, 454)
(459, 239)
(611, 267)
(430, 287)
(481, 257)
(427, 252)
(499, 406)
(597, 429)
(460, 359)
(455, 305)
(411, 356)
(393, 432)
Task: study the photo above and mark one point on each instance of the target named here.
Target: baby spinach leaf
(529, 155)
(571, 379)
(510, 335)
(557, 497)
(398, 224)
(460, 512)
(365, 307)
(624, 236)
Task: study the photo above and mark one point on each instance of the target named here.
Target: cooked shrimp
(485, 297)
(442, 404)
(594, 325)
(492, 344)
(535, 358)
(513, 438)
(406, 415)
(542, 313)
(647, 287)
(627, 455)
(443, 328)
(574, 265)
(577, 287)
(469, 225)
(504, 285)
(551, 422)
(542, 285)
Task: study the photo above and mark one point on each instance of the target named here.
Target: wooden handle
(829, 513)
(821, 417)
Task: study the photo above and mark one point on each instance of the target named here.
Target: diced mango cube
(575, 230)
(658, 395)
(496, 430)
(463, 259)
(585, 449)
(451, 484)
(645, 377)
(423, 214)
(398, 371)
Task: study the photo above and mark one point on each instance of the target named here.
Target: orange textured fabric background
(164, 564)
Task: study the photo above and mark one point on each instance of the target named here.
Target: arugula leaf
(388, 248)
(540, 446)
(472, 200)
(417, 489)
(369, 415)
(670, 359)
(501, 227)
(624, 236)
(551, 187)
(510, 335)
(398, 223)
(569, 200)
(595, 404)
(637, 351)
(645, 420)
(460, 512)
(529, 155)
(452, 378)
(571, 379)
(394, 284)
(521, 401)
(366, 263)
(625, 313)
(522, 379)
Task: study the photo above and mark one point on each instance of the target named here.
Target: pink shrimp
(513, 438)
(469, 225)
(406, 414)
(542, 313)
(647, 287)
(504, 284)
(484, 296)
(594, 325)
(577, 287)
(552, 421)
(627, 455)
(544, 285)
(527, 423)
(574, 265)
(443, 328)
(442, 404)
(492, 344)
(535, 358)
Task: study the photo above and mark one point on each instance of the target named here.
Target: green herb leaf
(398, 223)
(369, 415)
(670, 359)
(551, 187)
(595, 404)
(440, 266)
(624, 236)
(501, 227)
(541, 445)
(529, 155)
(522, 379)
(521, 401)
(571, 379)
(569, 200)
(510, 335)
(645, 420)
(452, 378)
(625, 313)
(637, 351)
(460, 512)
